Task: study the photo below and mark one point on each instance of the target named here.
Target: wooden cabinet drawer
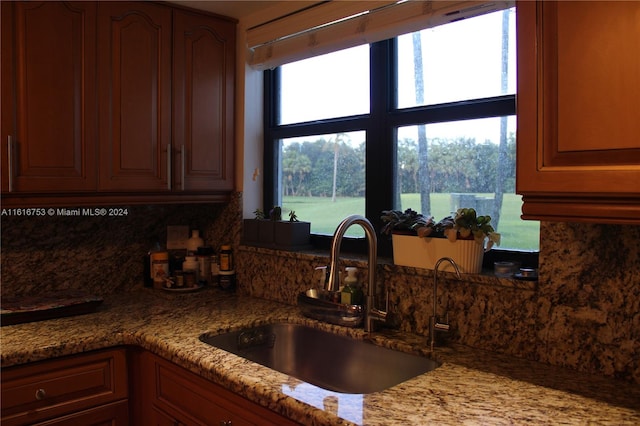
(50, 389)
(192, 400)
(115, 413)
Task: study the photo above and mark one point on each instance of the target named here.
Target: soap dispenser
(351, 292)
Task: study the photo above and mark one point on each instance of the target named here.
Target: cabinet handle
(169, 167)
(184, 155)
(226, 423)
(41, 394)
(10, 161)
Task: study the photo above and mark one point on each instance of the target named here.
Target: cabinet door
(67, 386)
(203, 107)
(134, 82)
(189, 399)
(48, 97)
(578, 103)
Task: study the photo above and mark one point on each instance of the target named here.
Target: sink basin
(324, 359)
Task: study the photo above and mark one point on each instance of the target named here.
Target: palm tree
(423, 159)
(503, 160)
(335, 145)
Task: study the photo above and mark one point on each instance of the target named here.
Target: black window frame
(380, 126)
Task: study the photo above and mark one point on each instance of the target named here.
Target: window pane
(322, 178)
(327, 86)
(467, 164)
(458, 61)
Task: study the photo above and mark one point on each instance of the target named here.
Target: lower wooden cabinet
(119, 387)
(172, 395)
(82, 389)
(114, 414)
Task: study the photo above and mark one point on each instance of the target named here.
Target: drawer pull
(41, 394)
(183, 160)
(226, 423)
(10, 156)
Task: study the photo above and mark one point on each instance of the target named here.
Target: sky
(456, 67)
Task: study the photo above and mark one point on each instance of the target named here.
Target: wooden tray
(17, 310)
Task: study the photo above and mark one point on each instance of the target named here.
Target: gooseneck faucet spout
(333, 284)
(434, 324)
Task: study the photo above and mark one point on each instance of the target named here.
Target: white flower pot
(409, 250)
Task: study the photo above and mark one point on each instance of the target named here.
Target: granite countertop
(470, 387)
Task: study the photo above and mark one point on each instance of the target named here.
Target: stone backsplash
(100, 254)
(583, 313)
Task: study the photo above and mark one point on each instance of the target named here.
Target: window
(423, 121)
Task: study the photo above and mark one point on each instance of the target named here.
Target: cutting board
(17, 310)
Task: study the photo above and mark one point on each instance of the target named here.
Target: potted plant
(273, 232)
(419, 241)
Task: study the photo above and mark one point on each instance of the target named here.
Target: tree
(408, 166)
(423, 159)
(335, 145)
(295, 167)
(502, 151)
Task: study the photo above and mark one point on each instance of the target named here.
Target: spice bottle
(204, 262)
(159, 268)
(190, 271)
(227, 280)
(225, 259)
(147, 275)
(215, 268)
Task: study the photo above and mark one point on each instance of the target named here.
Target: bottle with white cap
(194, 242)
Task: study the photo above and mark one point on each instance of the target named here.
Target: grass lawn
(325, 216)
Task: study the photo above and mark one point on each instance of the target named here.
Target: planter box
(283, 235)
(250, 231)
(410, 250)
(292, 235)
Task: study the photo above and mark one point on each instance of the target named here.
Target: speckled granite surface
(584, 313)
(471, 387)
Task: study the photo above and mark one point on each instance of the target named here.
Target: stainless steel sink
(327, 360)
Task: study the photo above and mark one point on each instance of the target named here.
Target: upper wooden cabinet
(577, 106)
(116, 102)
(48, 97)
(134, 81)
(203, 68)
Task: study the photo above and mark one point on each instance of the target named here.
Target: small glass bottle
(147, 274)
(225, 258)
(227, 280)
(215, 268)
(190, 270)
(204, 262)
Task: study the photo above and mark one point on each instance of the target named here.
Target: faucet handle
(441, 326)
(325, 278)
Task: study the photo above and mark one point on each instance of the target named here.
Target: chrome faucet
(333, 284)
(434, 322)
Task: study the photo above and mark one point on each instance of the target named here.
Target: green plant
(259, 214)
(293, 217)
(275, 213)
(404, 221)
(464, 225)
